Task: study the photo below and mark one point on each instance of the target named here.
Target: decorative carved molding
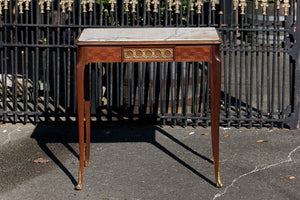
(148, 53)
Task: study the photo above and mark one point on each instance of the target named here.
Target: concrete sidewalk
(148, 162)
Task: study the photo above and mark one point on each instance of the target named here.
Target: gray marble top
(148, 35)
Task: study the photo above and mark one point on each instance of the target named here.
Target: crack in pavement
(257, 169)
(9, 135)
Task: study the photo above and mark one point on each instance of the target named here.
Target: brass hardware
(242, 5)
(134, 4)
(148, 53)
(264, 5)
(219, 183)
(213, 4)
(199, 5)
(66, 4)
(112, 5)
(170, 4)
(79, 185)
(286, 6)
(148, 4)
(155, 5)
(177, 4)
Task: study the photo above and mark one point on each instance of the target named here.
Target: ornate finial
(5, 5)
(256, 4)
(112, 5)
(134, 3)
(91, 2)
(41, 4)
(83, 3)
(235, 4)
(264, 5)
(192, 5)
(199, 5)
(170, 4)
(155, 5)
(286, 6)
(213, 4)
(148, 5)
(20, 4)
(242, 5)
(64, 6)
(177, 4)
(278, 5)
(126, 3)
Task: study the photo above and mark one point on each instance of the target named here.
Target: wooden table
(107, 45)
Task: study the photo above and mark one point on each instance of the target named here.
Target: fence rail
(260, 62)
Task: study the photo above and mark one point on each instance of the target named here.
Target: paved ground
(148, 162)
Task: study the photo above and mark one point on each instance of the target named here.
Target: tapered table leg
(80, 109)
(215, 82)
(87, 117)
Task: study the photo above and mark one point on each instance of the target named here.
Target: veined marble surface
(148, 34)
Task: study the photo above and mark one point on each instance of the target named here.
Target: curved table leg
(215, 82)
(87, 117)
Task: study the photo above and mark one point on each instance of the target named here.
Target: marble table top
(101, 36)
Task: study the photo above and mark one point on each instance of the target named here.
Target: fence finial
(5, 5)
(112, 5)
(286, 6)
(41, 4)
(177, 4)
(243, 6)
(155, 5)
(20, 4)
(64, 6)
(134, 3)
(170, 4)
(199, 5)
(264, 5)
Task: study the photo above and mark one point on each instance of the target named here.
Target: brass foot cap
(219, 185)
(78, 187)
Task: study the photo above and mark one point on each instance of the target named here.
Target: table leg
(80, 109)
(87, 116)
(215, 82)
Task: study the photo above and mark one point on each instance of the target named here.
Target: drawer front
(148, 54)
(193, 53)
(103, 54)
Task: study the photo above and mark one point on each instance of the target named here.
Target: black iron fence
(260, 62)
